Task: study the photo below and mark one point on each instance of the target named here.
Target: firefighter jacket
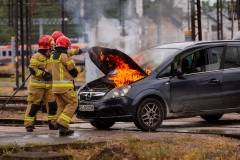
(63, 71)
(77, 51)
(37, 68)
(73, 52)
(70, 52)
(49, 70)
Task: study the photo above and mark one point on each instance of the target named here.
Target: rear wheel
(102, 124)
(149, 115)
(211, 117)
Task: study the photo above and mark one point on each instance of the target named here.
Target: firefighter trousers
(67, 104)
(35, 97)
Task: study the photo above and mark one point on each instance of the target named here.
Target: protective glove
(83, 50)
(47, 76)
(73, 72)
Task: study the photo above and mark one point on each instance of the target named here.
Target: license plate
(86, 107)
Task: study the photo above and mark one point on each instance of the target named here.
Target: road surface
(229, 126)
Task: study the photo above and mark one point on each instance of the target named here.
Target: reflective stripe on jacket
(60, 67)
(37, 83)
(37, 65)
(48, 69)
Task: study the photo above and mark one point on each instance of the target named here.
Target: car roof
(185, 45)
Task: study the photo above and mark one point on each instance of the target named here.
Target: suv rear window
(232, 57)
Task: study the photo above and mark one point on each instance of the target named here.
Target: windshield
(152, 58)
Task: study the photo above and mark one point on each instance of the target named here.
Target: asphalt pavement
(228, 126)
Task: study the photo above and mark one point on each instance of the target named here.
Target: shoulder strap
(56, 55)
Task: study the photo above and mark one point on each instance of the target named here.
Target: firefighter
(56, 35)
(40, 85)
(72, 51)
(63, 72)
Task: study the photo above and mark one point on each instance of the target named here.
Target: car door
(200, 86)
(231, 77)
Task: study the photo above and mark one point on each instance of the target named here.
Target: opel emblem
(88, 96)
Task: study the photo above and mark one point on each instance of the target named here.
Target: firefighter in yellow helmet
(40, 85)
(63, 72)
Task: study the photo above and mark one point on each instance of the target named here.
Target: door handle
(214, 81)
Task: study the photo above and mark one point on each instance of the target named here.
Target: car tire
(211, 117)
(102, 124)
(149, 115)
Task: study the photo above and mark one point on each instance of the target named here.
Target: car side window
(232, 57)
(166, 72)
(202, 60)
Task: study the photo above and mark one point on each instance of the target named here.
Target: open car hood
(107, 59)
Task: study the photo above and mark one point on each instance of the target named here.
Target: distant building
(209, 21)
(145, 23)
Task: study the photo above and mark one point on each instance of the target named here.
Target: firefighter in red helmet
(72, 51)
(40, 85)
(63, 72)
(56, 35)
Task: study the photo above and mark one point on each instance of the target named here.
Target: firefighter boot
(52, 126)
(64, 131)
(30, 117)
(30, 128)
(52, 115)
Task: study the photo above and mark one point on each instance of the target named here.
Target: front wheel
(150, 114)
(102, 124)
(211, 117)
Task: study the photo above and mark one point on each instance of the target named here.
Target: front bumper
(115, 108)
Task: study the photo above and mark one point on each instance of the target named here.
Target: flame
(148, 71)
(123, 73)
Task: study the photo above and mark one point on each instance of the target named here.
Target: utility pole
(22, 41)
(193, 27)
(232, 17)
(16, 43)
(218, 25)
(10, 13)
(219, 19)
(188, 12)
(238, 13)
(30, 11)
(122, 16)
(27, 31)
(196, 17)
(28, 23)
(63, 16)
(199, 20)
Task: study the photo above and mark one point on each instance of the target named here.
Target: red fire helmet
(46, 42)
(63, 41)
(56, 35)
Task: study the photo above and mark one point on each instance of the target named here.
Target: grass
(167, 147)
(183, 149)
(9, 148)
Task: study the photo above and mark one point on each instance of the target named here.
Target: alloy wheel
(150, 114)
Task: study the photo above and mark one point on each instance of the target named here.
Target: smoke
(103, 22)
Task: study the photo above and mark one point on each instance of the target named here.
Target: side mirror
(179, 74)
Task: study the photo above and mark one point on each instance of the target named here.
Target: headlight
(79, 90)
(118, 92)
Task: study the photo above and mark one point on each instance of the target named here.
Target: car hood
(107, 60)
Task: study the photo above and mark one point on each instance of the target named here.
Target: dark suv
(187, 79)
